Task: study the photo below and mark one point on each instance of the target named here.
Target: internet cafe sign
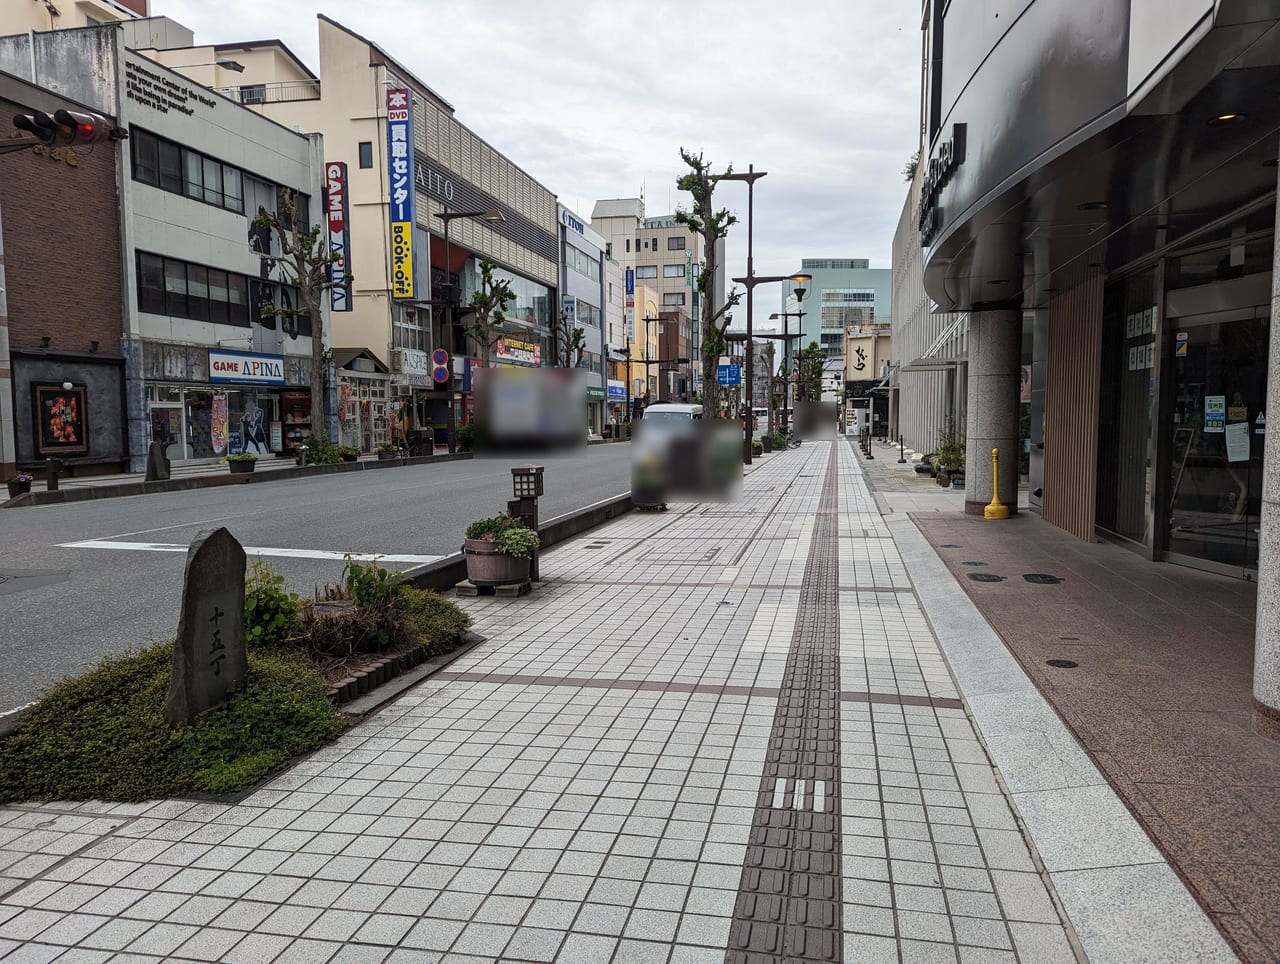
(520, 352)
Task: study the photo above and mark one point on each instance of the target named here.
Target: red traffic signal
(82, 128)
(67, 127)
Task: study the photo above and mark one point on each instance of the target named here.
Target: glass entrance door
(1219, 368)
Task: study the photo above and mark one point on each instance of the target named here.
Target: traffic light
(67, 127)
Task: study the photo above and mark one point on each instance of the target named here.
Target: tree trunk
(317, 369)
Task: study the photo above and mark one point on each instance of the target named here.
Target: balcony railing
(253, 94)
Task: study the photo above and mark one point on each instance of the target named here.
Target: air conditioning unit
(399, 391)
(397, 359)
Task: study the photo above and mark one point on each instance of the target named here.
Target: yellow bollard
(997, 509)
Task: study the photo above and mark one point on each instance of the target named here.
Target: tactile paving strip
(789, 899)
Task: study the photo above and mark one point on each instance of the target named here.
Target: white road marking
(819, 796)
(256, 551)
(16, 709)
(798, 801)
(779, 792)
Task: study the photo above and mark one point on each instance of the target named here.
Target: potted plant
(349, 453)
(757, 447)
(766, 441)
(387, 451)
(949, 460)
(241, 462)
(19, 484)
(499, 550)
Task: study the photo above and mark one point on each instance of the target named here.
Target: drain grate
(1062, 663)
(1041, 578)
(985, 577)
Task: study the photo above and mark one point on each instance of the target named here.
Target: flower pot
(240, 468)
(486, 566)
(18, 488)
(388, 456)
(348, 457)
(767, 443)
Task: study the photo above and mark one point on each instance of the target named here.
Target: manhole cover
(1041, 578)
(985, 577)
(950, 545)
(975, 564)
(1062, 663)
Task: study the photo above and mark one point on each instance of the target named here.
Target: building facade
(1130, 229)
(843, 292)
(217, 359)
(427, 201)
(583, 304)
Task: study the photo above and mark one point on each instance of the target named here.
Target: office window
(647, 271)
(151, 283)
(170, 167)
(197, 292)
(218, 296)
(673, 298)
(676, 244)
(212, 182)
(232, 189)
(237, 299)
(146, 162)
(628, 245)
(366, 153)
(608, 249)
(655, 244)
(673, 271)
(175, 288)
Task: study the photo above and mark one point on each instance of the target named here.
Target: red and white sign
(246, 367)
(337, 212)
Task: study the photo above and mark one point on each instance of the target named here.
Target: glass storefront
(196, 422)
(1184, 374)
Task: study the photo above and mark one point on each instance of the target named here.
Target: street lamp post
(751, 176)
(799, 293)
(493, 216)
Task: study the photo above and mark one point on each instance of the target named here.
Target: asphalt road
(63, 607)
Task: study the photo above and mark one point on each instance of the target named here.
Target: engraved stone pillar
(209, 662)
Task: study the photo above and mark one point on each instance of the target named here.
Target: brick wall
(62, 247)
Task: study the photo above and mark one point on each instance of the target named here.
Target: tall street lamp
(799, 293)
(751, 176)
(493, 216)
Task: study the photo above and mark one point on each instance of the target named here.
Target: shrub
(389, 447)
(320, 451)
(270, 610)
(370, 585)
(438, 623)
(757, 447)
(241, 457)
(779, 440)
(465, 436)
(103, 735)
(327, 632)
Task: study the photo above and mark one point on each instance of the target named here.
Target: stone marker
(208, 658)
(157, 463)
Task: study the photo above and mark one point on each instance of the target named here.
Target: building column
(1266, 647)
(135, 402)
(8, 435)
(992, 417)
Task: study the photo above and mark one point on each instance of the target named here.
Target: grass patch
(103, 736)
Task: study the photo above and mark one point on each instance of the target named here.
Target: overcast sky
(594, 98)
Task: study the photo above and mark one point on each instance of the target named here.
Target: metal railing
(251, 94)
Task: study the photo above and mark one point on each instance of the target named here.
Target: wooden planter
(388, 456)
(240, 468)
(486, 566)
(18, 488)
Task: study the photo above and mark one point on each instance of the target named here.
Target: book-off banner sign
(400, 177)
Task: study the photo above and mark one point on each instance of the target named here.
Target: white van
(672, 413)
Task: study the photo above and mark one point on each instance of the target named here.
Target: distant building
(843, 292)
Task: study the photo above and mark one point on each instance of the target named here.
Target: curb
(384, 693)
(122, 489)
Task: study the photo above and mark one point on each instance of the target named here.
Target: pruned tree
(809, 368)
(703, 219)
(305, 261)
(571, 342)
(489, 306)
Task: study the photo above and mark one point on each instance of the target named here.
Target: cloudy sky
(594, 99)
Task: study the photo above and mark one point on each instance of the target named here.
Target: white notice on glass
(1238, 442)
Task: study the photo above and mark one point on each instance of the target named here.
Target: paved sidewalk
(651, 759)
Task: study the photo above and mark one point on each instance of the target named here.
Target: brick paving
(586, 785)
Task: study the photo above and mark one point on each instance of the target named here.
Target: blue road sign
(729, 374)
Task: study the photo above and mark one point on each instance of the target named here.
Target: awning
(933, 360)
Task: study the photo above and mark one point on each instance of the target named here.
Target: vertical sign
(631, 305)
(338, 215)
(688, 268)
(400, 178)
(569, 307)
